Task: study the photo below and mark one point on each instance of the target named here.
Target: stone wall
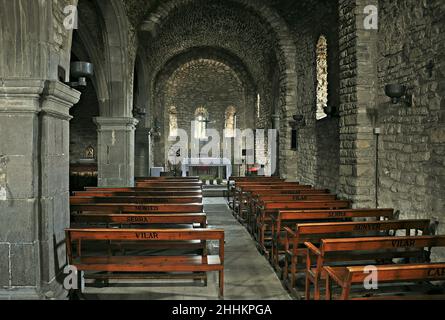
(412, 148)
(317, 157)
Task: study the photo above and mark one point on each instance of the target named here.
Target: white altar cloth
(206, 162)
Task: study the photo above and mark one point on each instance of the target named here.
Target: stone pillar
(34, 187)
(115, 155)
(358, 77)
(141, 160)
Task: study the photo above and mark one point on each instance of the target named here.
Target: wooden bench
(179, 179)
(231, 183)
(241, 199)
(238, 188)
(295, 251)
(110, 193)
(78, 241)
(261, 222)
(139, 200)
(141, 219)
(346, 277)
(151, 188)
(149, 184)
(259, 200)
(283, 219)
(375, 249)
(253, 194)
(153, 221)
(137, 208)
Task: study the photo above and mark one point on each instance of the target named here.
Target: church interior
(222, 149)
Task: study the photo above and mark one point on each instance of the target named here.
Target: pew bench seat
(390, 277)
(91, 250)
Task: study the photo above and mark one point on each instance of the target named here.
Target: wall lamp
(398, 93)
(298, 121)
(81, 71)
(141, 112)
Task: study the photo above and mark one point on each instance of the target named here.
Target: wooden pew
(259, 199)
(110, 193)
(137, 208)
(283, 219)
(141, 219)
(262, 220)
(137, 179)
(304, 232)
(242, 193)
(233, 188)
(231, 183)
(152, 221)
(375, 249)
(149, 184)
(139, 200)
(151, 188)
(149, 263)
(346, 277)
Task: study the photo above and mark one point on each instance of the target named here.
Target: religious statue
(89, 152)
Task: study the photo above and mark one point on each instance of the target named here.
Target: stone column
(358, 76)
(116, 151)
(34, 186)
(141, 161)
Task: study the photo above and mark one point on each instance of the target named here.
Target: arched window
(173, 121)
(201, 119)
(230, 124)
(322, 76)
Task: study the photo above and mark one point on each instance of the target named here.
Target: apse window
(322, 77)
(230, 125)
(173, 121)
(201, 117)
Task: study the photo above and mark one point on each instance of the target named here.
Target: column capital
(116, 123)
(58, 98)
(20, 95)
(35, 95)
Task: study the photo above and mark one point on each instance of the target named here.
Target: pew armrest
(289, 231)
(312, 248)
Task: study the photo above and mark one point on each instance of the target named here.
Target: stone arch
(286, 50)
(99, 79)
(119, 60)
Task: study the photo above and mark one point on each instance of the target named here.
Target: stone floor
(248, 275)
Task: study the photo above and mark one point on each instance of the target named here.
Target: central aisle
(248, 276)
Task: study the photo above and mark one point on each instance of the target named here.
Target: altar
(188, 163)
